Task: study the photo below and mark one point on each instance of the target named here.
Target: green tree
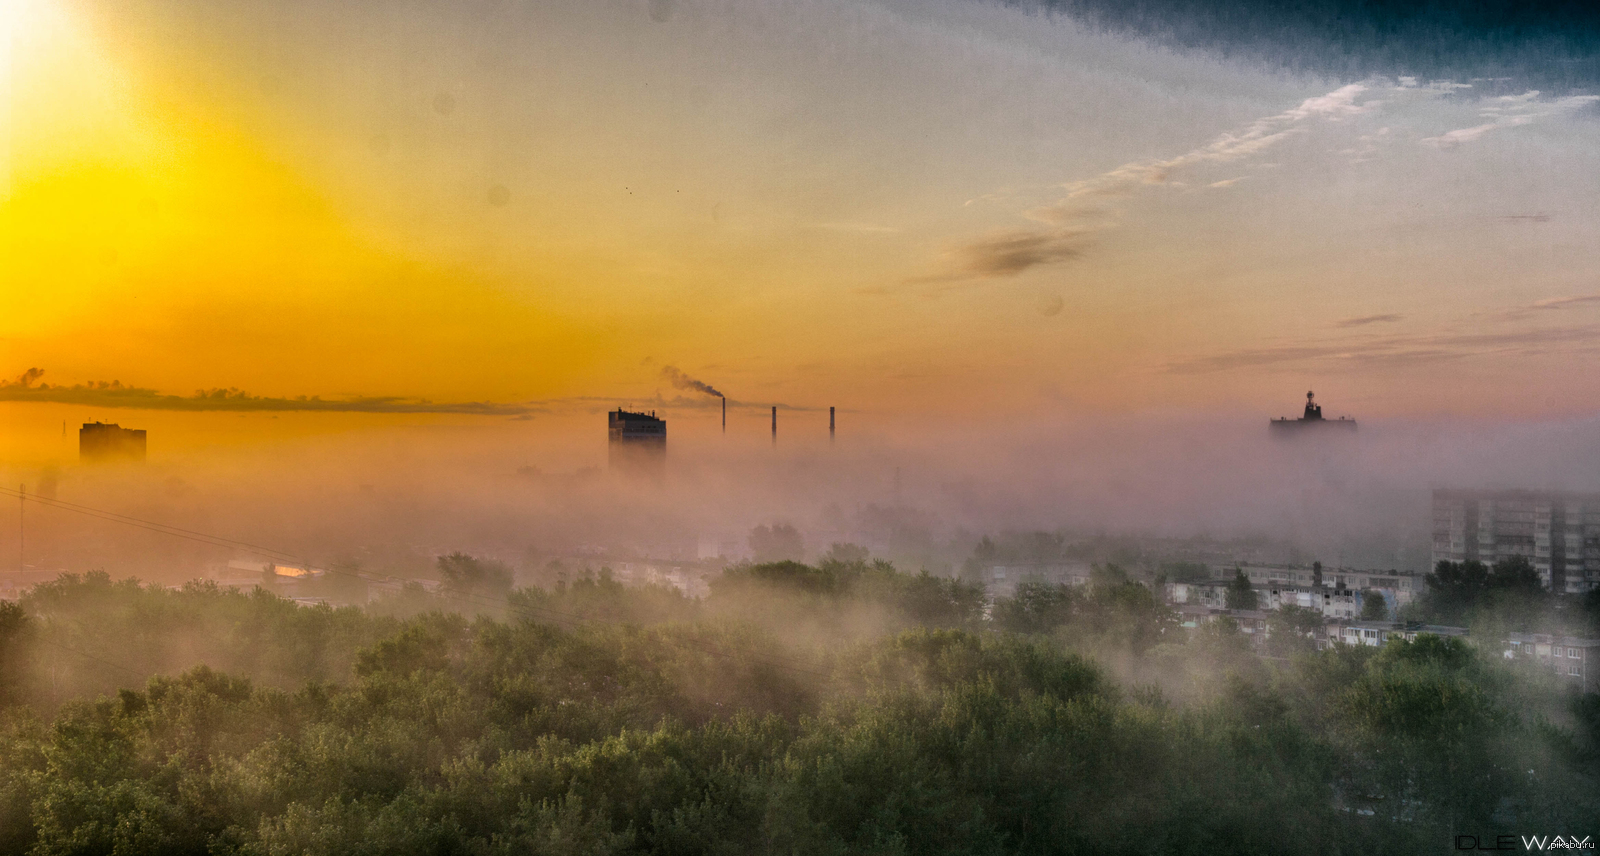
(467, 575)
(1035, 608)
(1293, 629)
(1239, 594)
(1373, 607)
(14, 652)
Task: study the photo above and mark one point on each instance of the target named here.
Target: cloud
(1398, 350)
(1012, 252)
(1368, 319)
(1541, 306)
(1250, 140)
(1008, 253)
(1511, 111)
(1559, 302)
(862, 228)
(114, 394)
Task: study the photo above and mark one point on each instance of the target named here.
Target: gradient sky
(959, 207)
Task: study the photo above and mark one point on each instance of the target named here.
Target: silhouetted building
(99, 442)
(638, 442)
(1558, 532)
(1311, 420)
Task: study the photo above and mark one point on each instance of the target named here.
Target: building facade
(101, 442)
(1559, 532)
(637, 442)
(1337, 593)
(1571, 658)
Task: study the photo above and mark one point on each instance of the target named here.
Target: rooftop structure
(100, 442)
(1311, 420)
(637, 441)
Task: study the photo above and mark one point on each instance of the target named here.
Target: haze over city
(1172, 346)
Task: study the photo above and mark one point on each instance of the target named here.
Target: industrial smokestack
(774, 424)
(724, 414)
(830, 424)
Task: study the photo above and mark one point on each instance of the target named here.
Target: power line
(475, 599)
(166, 529)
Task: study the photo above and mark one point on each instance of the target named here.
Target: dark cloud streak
(1367, 319)
(114, 394)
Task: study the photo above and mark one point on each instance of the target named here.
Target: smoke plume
(683, 381)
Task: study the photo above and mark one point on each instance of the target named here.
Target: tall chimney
(830, 424)
(774, 424)
(724, 414)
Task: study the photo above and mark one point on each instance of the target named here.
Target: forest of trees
(844, 707)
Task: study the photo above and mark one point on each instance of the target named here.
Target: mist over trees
(884, 713)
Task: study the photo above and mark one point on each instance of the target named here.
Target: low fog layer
(393, 497)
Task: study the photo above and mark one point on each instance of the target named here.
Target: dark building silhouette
(1311, 420)
(638, 442)
(99, 442)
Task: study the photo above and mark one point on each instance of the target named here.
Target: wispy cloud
(1510, 111)
(1368, 319)
(1398, 350)
(1538, 307)
(114, 394)
(1067, 223)
(1560, 302)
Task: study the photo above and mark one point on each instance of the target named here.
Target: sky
(974, 211)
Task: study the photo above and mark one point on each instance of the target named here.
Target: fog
(391, 495)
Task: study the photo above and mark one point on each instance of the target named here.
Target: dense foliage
(1505, 596)
(594, 718)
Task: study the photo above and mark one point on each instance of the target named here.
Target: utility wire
(103, 514)
(776, 660)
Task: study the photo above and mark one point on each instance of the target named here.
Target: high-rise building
(100, 442)
(637, 442)
(1310, 421)
(1559, 532)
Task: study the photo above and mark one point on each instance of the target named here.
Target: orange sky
(940, 207)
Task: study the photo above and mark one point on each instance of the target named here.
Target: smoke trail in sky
(683, 381)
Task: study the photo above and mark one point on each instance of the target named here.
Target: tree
(847, 554)
(779, 542)
(1240, 595)
(1294, 628)
(468, 575)
(1508, 593)
(1373, 607)
(13, 652)
(1035, 608)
